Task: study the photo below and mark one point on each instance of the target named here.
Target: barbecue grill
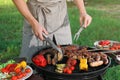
(93, 73)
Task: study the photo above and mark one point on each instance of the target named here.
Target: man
(49, 17)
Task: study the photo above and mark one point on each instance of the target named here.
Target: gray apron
(52, 14)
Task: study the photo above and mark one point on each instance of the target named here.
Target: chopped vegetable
(83, 64)
(8, 62)
(60, 68)
(104, 42)
(22, 64)
(8, 68)
(13, 71)
(40, 60)
(27, 70)
(17, 70)
(2, 76)
(14, 78)
(60, 65)
(18, 66)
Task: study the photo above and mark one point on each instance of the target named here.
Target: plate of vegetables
(15, 71)
(107, 44)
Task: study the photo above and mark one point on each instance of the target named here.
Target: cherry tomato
(104, 42)
(14, 78)
(27, 70)
(18, 70)
(19, 76)
(72, 68)
(112, 48)
(65, 69)
(4, 70)
(73, 62)
(69, 71)
(24, 74)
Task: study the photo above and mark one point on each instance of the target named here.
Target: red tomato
(4, 70)
(24, 74)
(18, 70)
(72, 68)
(65, 69)
(14, 78)
(20, 73)
(112, 49)
(8, 66)
(27, 70)
(19, 76)
(73, 62)
(69, 71)
(107, 42)
(104, 42)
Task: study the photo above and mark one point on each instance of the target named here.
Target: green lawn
(105, 25)
(11, 29)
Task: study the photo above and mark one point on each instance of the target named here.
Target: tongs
(60, 53)
(78, 33)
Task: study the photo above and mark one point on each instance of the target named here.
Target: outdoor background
(105, 25)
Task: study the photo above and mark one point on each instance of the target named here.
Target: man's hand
(85, 20)
(38, 30)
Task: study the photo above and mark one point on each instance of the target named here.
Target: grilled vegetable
(60, 65)
(40, 60)
(60, 68)
(83, 64)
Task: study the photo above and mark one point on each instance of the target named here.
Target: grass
(113, 73)
(102, 27)
(11, 30)
(105, 25)
(103, 2)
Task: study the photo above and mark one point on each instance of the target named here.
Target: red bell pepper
(40, 60)
(9, 68)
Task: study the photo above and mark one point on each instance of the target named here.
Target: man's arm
(80, 5)
(84, 17)
(23, 9)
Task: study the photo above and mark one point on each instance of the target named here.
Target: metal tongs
(60, 53)
(78, 33)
